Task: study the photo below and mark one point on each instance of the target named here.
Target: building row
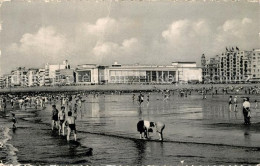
(233, 65)
(63, 74)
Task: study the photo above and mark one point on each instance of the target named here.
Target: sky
(128, 32)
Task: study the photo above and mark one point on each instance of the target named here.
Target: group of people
(233, 103)
(65, 118)
(62, 119)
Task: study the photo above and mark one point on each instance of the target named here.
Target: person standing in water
(133, 97)
(148, 98)
(55, 118)
(235, 103)
(246, 111)
(140, 98)
(230, 103)
(12, 103)
(14, 121)
(71, 126)
(61, 116)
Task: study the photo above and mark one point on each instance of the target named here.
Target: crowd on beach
(66, 116)
(63, 119)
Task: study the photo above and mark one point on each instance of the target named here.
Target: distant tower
(203, 60)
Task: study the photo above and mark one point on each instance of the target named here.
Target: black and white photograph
(130, 82)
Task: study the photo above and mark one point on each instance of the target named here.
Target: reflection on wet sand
(141, 155)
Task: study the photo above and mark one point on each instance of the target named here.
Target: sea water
(197, 132)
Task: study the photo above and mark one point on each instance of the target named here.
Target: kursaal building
(129, 74)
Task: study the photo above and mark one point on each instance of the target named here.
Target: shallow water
(197, 132)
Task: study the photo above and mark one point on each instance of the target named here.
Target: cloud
(105, 39)
(45, 43)
(101, 26)
(184, 30)
(127, 51)
(35, 49)
(105, 48)
(182, 36)
(127, 47)
(186, 38)
(107, 29)
(237, 31)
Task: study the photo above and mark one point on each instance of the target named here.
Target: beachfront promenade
(119, 87)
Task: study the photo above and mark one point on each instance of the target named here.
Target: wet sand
(197, 132)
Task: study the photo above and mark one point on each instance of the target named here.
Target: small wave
(166, 140)
(173, 141)
(11, 157)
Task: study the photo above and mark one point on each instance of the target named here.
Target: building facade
(41, 77)
(85, 74)
(210, 69)
(2, 81)
(140, 74)
(52, 72)
(187, 72)
(65, 76)
(233, 66)
(255, 65)
(151, 74)
(19, 77)
(32, 76)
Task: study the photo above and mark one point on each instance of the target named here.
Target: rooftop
(182, 62)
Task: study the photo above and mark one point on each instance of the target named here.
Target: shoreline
(118, 87)
(48, 144)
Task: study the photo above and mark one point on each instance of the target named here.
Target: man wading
(55, 118)
(246, 111)
(71, 126)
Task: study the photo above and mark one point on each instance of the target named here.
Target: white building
(50, 72)
(178, 71)
(118, 73)
(87, 74)
(65, 77)
(188, 72)
(41, 77)
(255, 65)
(19, 77)
(2, 81)
(32, 76)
